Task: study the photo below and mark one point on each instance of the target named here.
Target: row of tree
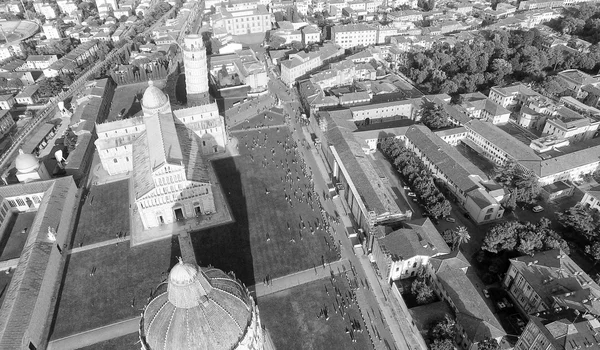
(494, 58)
(419, 178)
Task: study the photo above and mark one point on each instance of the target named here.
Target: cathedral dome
(26, 163)
(154, 97)
(202, 309)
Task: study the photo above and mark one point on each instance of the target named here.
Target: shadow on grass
(228, 247)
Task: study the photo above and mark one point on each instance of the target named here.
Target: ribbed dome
(202, 309)
(26, 163)
(154, 97)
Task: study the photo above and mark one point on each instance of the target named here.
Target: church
(163, 150)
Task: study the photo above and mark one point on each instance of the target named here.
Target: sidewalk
(97, 335)
(298, 278)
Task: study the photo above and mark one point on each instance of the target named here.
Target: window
(20, 201)
(487, 217)
(115, 160)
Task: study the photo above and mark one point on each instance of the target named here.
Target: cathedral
(164, 149)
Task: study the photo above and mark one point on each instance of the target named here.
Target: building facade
(353, 35)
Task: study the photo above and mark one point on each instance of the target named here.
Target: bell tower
(196, 70)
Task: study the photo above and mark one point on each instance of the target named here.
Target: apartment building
(511, 95)
(45, 9)
(301, 63)
(560, 329)
(591, 198)
(479, 196)
(405, 109)
(478, 106)
(310, 34)
(353, 35)
(475, 321)
(548, 280)
(6, 122)
(568, 124)
(247, 21)
(6, 102)
(402, 253)
(52, 30)
(575, 80)
(569, 163)
(40, 62)
(28, 96)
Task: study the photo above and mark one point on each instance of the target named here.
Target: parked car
(450, 219)
(537, 209)
(415, 200)
(486, 293)
(411, 194)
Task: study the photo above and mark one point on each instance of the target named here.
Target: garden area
(104, 214)
(317, 316)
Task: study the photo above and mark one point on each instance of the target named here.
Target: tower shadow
(227, 247)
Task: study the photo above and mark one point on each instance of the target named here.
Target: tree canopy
(433, 116)
(523, 237)
(495, 58)
(582, 221)
(521, 184)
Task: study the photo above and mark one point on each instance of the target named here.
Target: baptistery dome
(201, 308)
(26, 163)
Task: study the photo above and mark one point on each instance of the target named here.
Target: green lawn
(242, 246)
(123, 275)
(126, 342)
(128, 97)
(291, 318)
(105, 213)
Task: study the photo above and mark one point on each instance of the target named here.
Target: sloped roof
(420, 238)
(552, 274)
(472, 312)
(446, 158)
(21, 300)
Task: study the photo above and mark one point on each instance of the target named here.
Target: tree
(433, 116)
(521, 183)
(594, 250)
(501, 237)
(297, 45)
(461, 236)
(443, 329)
(580, 220)
(422, 292)
(488, 344)
(445, 344)
(275, 41)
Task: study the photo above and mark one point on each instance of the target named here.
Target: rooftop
(420, 237)
(555, 277)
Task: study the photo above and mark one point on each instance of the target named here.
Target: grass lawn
(291, 318)
(123, 275)
(124, 99)
(16, 233)
(242, 246)
(106, 216)
(126, 342)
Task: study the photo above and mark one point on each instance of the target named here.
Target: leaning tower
(196, 69)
